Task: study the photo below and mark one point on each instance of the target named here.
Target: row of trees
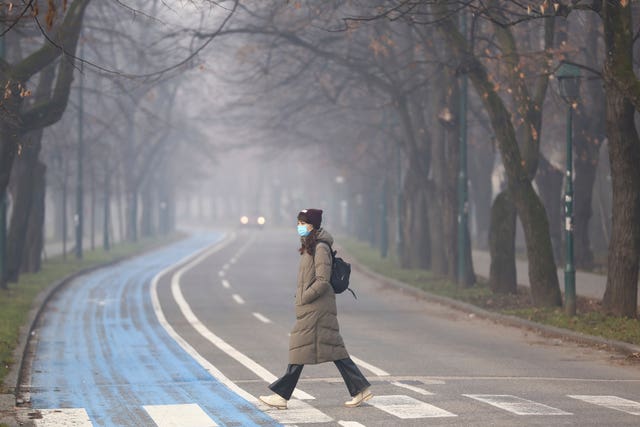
(387, 77)
(107, 75)
(376, 89)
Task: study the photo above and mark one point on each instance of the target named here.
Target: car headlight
(244, 220)
(261, 220)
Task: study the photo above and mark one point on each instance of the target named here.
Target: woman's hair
(309, 243)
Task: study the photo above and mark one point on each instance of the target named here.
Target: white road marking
(350, 424)
(406, 407)
(517, 405)
(611, 402)
(221, 273)
(299, 412)
(185, 308)
(375, 370)
(157, 308)
(232, 261)
(64, 417)
(225, 267)
(261, 318)
(412, 388)
(226, 284)
(187, 415)
(237, 298)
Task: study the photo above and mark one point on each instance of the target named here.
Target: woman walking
(315, 337)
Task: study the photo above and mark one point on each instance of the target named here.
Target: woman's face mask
(303, 231)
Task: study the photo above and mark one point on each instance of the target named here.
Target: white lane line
(412, 388)
(517, 405)
(221, 273)
(261, 318)
(226, 284)
(64, 417)
(406, 407)
(375, 370)
(157, 308)
(187, 415)
(611, 402)
(185, 308)
(237, 298)
(299, 412)
(225, 267)
(350, 424)
(232, 260)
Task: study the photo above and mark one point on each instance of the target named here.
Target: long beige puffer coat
(315, 337)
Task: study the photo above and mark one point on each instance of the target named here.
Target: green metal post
(384, 224)
(462, 173)
(569, 270)
(3, 213)
(79, 193)
(399, 225)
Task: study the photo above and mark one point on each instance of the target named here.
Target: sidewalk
(588, 285)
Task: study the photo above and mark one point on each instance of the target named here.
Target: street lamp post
(568, 76)
(3, 212)
(79, 217)
(463, 188)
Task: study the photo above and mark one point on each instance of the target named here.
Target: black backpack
(340, 272)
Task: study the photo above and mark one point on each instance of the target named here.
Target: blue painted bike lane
(101, 348)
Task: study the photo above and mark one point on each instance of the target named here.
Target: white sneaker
(357, 400)
(275, 401)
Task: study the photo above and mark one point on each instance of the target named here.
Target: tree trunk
(23, 179)
(502, 237)
(32, 257)
(621, 294)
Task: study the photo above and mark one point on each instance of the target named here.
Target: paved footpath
(588, 285)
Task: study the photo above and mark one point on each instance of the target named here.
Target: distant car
(252, 221)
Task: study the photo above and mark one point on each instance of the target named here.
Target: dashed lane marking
(237, 298)
(186, 311)
(67, 417)
(517, 405)
(186, 415)
(412, 388)
(221, 273)
(406, 407)
(611, 402)
(261, 318)
(226, 284)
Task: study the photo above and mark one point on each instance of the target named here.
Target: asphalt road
(190, 335)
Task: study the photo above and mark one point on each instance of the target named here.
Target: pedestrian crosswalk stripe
(187, 415)
(66, 417)
(517, 405)
(350, 424)
(299, 412)
(611, 402)
(406, 407)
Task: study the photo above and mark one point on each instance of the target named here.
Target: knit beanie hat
(311, 216)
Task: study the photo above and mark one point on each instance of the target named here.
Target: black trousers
(353, 378)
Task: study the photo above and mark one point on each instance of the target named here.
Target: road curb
(622, 347)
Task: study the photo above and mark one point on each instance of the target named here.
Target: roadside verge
(627, 349)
